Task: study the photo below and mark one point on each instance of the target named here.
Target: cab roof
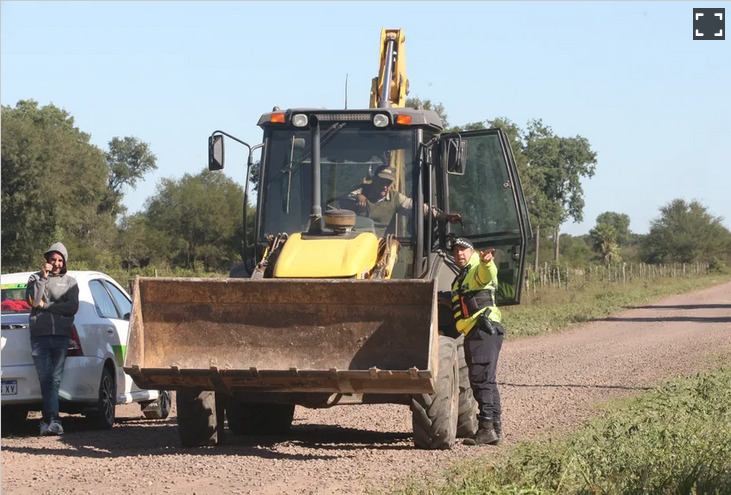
(419, 118)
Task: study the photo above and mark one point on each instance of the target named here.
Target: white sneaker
(55, 428)
(44, 429)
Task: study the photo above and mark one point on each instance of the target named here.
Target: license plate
(10, 387)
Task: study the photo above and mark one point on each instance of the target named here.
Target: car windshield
(350, 153)
(13, 299)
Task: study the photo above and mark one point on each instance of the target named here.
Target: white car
(93, 380)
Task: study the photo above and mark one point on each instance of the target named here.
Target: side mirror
(454, 154)
(215, 152)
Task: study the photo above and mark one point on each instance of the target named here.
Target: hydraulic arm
(391, 86)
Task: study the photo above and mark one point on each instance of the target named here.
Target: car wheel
(102, 417)
(158, 409)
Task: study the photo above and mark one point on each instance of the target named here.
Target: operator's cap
(461, 242)
(385, 172)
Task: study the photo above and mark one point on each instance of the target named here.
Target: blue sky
(654, 104)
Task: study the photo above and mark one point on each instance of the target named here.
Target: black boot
(497, 425)
(485, 434)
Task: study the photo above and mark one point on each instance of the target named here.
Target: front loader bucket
(284, 335)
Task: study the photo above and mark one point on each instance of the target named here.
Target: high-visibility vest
(473, 292)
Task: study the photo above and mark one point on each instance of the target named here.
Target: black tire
(259, 419)
(197, 419)
(467, 423)
(13, 420)
(434, 416)
(102, 416)
(158, 409)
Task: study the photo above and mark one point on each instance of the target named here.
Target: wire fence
(554, 276)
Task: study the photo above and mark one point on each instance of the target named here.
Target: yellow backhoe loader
(331, 307)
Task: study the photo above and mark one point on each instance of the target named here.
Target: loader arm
(391, 86)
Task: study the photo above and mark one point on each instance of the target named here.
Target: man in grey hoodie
(54, 300)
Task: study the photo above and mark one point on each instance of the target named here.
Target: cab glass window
(350, 153)
(484, 195)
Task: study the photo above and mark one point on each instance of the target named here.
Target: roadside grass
(675, 439)
(556, 309)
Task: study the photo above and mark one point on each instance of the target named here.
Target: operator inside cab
(376, 199)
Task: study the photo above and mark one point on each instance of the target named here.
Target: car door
(487, 193)
(115, 332)
(124, 307)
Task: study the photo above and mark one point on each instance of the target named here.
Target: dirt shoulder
(549, 384)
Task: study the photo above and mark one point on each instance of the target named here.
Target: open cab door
(484, 187)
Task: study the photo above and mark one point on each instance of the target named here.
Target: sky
(654, 104)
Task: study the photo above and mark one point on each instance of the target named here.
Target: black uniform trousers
(482, 350)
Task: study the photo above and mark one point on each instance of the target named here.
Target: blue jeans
(49, 356)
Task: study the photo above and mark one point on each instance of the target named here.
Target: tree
(620, 222)
(140, 245)
(128, 160)
(53, 181)
(604, 237)
(541, 210)
(557, 165)
(610, 233)
(576, 251)
(686, 232)
(201, 217)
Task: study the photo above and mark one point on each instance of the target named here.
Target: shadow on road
(572, 385)
(136, 437)
(695, 319)
(681, 306)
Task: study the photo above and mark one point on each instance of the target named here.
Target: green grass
(555, 309)
(673, 440)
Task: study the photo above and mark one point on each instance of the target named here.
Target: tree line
(551, 168)
(57, 186)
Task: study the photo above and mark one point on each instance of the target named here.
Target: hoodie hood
(60, 249)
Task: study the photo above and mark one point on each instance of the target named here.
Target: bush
(716, 265)
(676, 439)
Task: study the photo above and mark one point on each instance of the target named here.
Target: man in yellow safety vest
(477, 316)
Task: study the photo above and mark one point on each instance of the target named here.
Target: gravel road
(549, 384)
